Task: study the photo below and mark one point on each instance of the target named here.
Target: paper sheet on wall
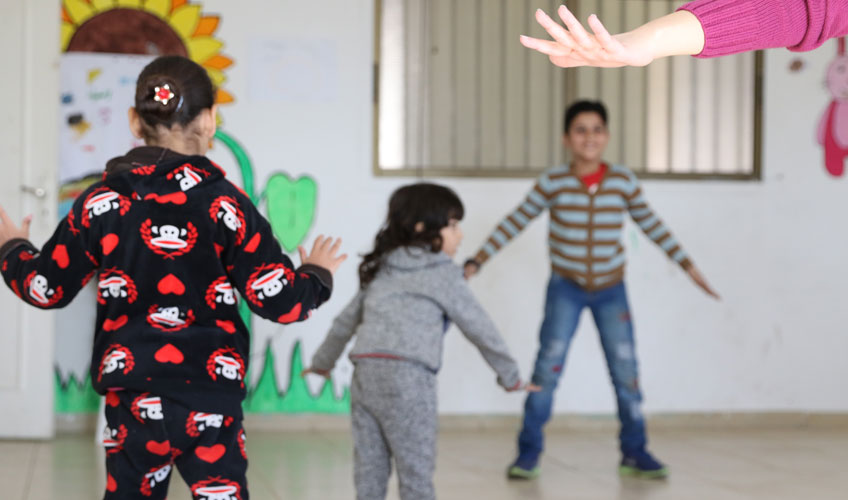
(96, 92)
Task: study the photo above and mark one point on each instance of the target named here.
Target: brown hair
(433, 205)
(189, 91)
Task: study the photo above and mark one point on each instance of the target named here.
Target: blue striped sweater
(585, 228)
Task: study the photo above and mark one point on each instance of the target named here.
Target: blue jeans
(564, 302)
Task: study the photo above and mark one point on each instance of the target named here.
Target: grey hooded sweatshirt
(403, 313)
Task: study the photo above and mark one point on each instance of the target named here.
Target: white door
(29, 101)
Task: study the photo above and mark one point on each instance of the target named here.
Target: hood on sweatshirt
(153, 173)
(415, 258)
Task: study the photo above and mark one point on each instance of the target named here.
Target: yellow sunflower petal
(177, 4)
(102, 5)
(217, 76)
(201, 49)
(218, 62)
(65, 17)
(132, 4)
(66, 34)
(224, 97)
(159, 7)
(79, 10)
(207, 26)
(184, 20)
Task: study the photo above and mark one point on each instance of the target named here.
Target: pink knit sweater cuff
(733, 26)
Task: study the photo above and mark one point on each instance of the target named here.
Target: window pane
(458, 95)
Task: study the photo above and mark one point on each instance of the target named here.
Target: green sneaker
(518, 472)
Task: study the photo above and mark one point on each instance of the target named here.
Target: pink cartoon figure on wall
(833, 127)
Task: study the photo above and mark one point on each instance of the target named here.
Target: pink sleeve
(732, 26)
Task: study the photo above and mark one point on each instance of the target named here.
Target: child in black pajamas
(169, 240)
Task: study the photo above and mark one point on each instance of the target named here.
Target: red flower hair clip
(163, 94)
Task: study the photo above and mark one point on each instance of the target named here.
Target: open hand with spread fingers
(679, 33)
(324, 253)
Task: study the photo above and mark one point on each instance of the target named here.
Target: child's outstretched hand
(699, 280)
(324, 254)
(316, 371)
(9, 230)
(521, 386)
(470, 268)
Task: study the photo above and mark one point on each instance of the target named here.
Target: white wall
(774, 250)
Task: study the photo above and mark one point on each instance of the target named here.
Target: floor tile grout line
(30, 470)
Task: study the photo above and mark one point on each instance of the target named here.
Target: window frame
(571, 78)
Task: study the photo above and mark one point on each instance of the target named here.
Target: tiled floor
(710, 465)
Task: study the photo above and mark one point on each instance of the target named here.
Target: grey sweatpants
(393, 412)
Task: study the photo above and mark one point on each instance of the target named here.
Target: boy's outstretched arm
(267, 278)
(657, 231)
(344, 327)
(49, 278)
(537, 200)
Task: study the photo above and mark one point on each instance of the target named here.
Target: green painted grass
(73, 396)
(267, 397)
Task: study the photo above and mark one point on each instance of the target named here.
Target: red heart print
(111, 484)
(291, 316)
(169, 354)
(211, 454)
(253, 244)
(225, 325)
(111, 325)
(112, 399)
(157, 448)
(177, 198)
(60, 255)
(109, 242)
(171, 284)
(219, 249)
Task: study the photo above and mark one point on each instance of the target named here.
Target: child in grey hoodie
(410, 291)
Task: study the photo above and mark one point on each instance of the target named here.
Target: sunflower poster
(105, 44)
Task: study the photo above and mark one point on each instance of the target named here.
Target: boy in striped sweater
(587, 201)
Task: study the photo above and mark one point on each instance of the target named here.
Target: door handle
(38, 192)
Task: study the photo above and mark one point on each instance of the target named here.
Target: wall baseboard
(79, 423)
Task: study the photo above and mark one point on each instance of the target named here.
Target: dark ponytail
(430, 204)
(171, 90)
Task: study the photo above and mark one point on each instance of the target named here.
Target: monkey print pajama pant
(147, 437)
